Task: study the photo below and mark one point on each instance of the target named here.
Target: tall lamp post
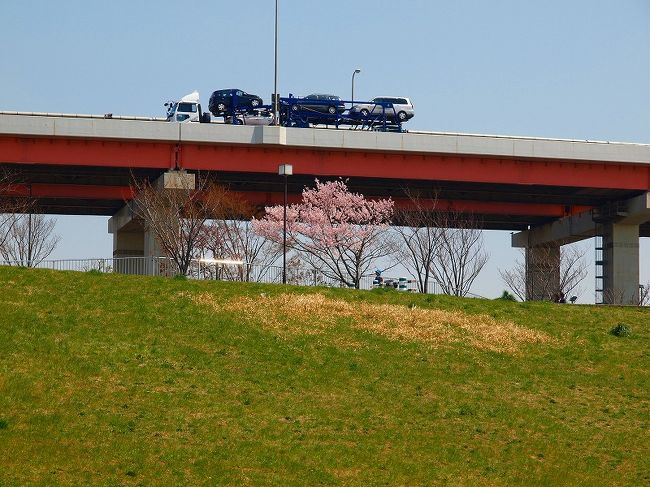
(285, 170)
(356, 71)
(29, 230)
(275, 82)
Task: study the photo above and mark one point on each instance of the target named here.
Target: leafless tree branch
(459, 256)
(30, 238)
(418, 238)
(175, 216)
(572, 271)
(229, 235)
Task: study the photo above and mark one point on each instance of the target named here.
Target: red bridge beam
(318, 162)
(87, 152)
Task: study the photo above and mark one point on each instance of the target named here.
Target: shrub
(506, 296)
(621, 330)
(4, 424)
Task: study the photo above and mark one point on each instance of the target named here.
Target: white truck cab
(188, 109)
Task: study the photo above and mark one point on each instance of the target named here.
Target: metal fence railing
(203, 269)
(146, 266)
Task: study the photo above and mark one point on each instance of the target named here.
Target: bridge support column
(620, 264)
(128, 243)
(132, 239)
(135, 242)
(542, 272)
(617, 223)
(132, 244)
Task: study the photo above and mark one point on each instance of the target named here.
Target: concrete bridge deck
(482, 145)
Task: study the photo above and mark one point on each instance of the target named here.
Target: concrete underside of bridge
(104, 191)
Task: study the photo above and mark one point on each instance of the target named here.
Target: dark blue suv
(221, 101)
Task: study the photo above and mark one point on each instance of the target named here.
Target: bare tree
(614, 296)
(175, 216)
(26, 237)
(30, 238)
(418, 238)
(8, 220)
(229, 235)
(10, 205)
(515, 279)
(572, 271)
(443, 245)
(459, 255)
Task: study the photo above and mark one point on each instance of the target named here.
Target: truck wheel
(401, 116)
(255, 103)
(331, 110)
(221, 107)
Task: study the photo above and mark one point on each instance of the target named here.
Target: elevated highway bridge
(552, 191)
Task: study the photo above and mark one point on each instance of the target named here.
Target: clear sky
(569, 69)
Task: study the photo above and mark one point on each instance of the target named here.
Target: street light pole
(356, 71)
(285, 170)
(275, 83)
(29, 230)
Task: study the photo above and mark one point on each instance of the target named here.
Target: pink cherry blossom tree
(338, 232)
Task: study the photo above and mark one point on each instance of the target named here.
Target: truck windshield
(187, 107)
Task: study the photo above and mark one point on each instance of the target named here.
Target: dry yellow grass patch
(312, 313)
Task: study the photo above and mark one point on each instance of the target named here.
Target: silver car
(398, 108)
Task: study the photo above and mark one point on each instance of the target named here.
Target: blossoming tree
(337, 231)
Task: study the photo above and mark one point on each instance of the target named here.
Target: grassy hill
(124, 380)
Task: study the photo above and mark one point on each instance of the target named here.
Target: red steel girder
(409, 166)
(320, 162)
(87, 152)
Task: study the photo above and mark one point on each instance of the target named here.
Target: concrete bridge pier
(132, 243)
(131, 237)
(542, 272)
(620, 263)
(617, 224)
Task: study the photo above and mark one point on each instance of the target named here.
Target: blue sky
(569, 69)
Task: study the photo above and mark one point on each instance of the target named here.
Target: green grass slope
(124, 380)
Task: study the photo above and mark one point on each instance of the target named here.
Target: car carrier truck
(188, 109)
(384, 114)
